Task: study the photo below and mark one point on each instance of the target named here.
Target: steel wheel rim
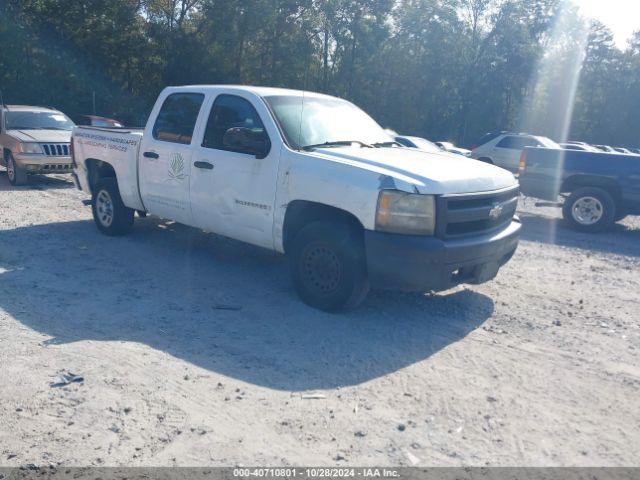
(321, 269)
(587, 210)
(11, 170)
(104, 208)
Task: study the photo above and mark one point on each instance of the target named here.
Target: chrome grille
(475, 214)
(56, 149)
(59, 166)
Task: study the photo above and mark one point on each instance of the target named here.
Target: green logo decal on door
(176, 167)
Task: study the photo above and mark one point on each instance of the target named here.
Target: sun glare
(549, 106)
(621, 16)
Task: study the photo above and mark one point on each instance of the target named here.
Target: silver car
(34, 140)
(504, 149)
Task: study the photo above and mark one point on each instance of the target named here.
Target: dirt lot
(539, 367)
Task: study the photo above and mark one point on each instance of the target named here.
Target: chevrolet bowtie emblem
(496, 211)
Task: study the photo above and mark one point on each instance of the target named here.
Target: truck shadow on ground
(37, 182)
(217, 303)
(621, 240)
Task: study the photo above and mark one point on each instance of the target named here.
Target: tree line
(442, 69)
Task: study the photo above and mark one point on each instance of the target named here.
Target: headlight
(26, 147)
(408, 213)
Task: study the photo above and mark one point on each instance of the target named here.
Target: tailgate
(542, 173)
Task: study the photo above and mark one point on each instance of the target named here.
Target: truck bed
(117, 145)
(550, 172)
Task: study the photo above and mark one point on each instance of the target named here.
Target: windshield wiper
(341, 143)
(386, 144)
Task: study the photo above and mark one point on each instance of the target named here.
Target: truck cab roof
(259, 91)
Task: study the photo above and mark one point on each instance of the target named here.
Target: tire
(486, 160)
(112, 217)
(17, 176)
(589, 209)
(328, 266)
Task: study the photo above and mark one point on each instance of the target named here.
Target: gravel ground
(195, 351)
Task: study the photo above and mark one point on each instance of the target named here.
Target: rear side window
(177, 118)
(230, 111)
(517, 143)
(487, 137)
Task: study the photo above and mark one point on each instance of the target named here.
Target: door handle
(150, 155)
(205, 165)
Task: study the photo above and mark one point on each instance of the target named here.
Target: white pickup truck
(310, 176)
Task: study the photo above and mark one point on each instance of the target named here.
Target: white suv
(504, 150)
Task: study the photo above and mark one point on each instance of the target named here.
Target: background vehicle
(451, 148)
(598, 188)
(307, 175)
(419, 143)
(504, 150)
(583, 147)
(486, 138)
(96, 121)
(34, 140)
(424, 145)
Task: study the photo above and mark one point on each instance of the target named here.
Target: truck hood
(429, 173)
(42, 136)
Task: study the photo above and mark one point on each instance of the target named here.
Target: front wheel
(589, 209)
(16, 174)
(112, 217)
(328, 266)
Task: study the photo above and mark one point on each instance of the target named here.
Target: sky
(621, 16)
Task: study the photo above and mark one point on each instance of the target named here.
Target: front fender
(336, 185)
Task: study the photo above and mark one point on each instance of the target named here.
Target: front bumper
(420, 263)
(44, 164)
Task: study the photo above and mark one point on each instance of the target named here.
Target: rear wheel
(589, 209)
(328, 266)
(486, 160)
(16, 174)
(112, 217)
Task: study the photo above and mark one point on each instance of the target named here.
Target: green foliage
(444, 69)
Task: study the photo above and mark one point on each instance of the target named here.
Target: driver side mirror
(246, 140)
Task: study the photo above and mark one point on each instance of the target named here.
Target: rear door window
(177, 118)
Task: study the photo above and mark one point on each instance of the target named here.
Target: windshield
(547, 142)
(324, 120)
(37, 121)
